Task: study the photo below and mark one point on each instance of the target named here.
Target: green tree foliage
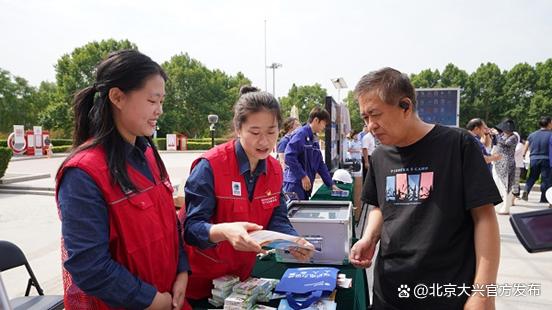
(453, 76)
(75, 71)
(304, 98)
(53, 110)
(352, 104)
(193, 92)
(426, 79)
(541, 101)
(519, 89)
(544, 78)
(486, 86)
(17, 102)
(524, 93)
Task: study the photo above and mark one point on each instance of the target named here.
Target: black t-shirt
(425, 192)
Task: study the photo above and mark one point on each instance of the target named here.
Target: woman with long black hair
(120, 240)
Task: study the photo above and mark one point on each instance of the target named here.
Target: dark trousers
(539, 167)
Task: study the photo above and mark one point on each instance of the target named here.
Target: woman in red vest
(120, 243)
(233, 189)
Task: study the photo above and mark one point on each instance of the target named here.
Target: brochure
(276, 240)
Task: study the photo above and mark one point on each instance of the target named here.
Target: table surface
(356, 297)
(325, 193)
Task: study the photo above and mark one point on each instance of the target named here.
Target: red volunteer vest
(143, 233)
(233, 205)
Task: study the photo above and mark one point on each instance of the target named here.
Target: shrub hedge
(5, 156)
(60, 142)
(61, 149)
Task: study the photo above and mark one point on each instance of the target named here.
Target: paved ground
(31, 222)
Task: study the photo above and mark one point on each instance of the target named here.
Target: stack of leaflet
(246, 294)
(237, 301)
(266, 286)
(222, 289)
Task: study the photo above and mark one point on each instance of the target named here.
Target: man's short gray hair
(389, 84)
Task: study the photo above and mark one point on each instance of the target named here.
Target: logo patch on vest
(269, 200)
(236, 188)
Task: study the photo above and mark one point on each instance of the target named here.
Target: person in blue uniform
(303, 157)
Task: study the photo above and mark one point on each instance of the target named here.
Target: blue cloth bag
(312, 283)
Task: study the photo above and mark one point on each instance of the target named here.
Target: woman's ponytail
(82, 104)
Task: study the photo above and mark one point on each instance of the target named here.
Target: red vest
(233, 205)
(143, 233)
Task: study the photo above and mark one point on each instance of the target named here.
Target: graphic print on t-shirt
(408, 186)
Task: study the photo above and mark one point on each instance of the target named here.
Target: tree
(544, 78)
(16, 102)
(541, 101)
(485, 85)
(46, 94)
(426, 79)
(75, 71)
(519, 89)
(453, 76)
(50, 105)
(193, 92)
(354, 112)
(540, 106)
(305, 98)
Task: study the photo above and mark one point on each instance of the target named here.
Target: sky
(315, 41)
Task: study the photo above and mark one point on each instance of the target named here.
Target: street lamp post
(274, 66)
(339, 83)
(212, 119)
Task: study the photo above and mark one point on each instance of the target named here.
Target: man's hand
(306, 183)
(179, 290)
(335, 188)
(477, 302)
(303, 254)
(161, 301)
(362, 252)
(237, 233)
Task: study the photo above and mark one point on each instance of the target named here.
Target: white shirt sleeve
(369, 143)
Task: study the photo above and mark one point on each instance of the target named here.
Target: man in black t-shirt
(433, 213)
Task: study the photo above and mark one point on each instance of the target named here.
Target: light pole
(339, 83)
(274, 66)
(266, 67)
(212, 119)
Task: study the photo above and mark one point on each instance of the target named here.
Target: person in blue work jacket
(303, 157)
